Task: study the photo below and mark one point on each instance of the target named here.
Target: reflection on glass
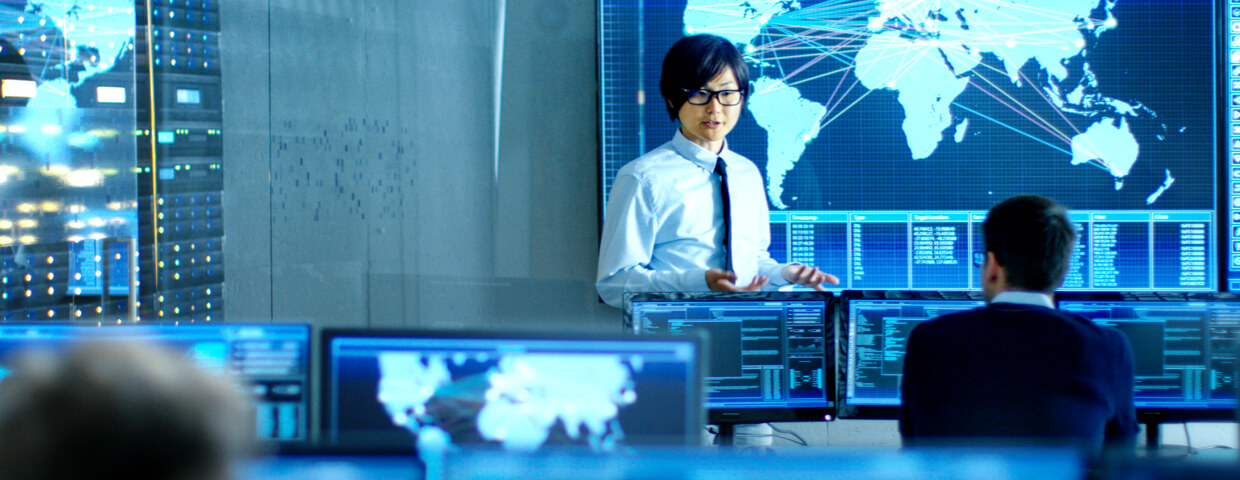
(67, 170)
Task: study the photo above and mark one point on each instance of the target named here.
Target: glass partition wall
(330, 161)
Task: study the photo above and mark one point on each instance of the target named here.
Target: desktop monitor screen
(424, 390)
(772, 354)
(877, 333)
(274, 361)
(1185, 353)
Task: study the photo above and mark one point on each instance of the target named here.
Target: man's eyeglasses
(979, 259)
(726, 98)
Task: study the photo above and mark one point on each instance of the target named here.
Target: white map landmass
(961, 129)
(526, 395)
(529, 393)
(1015, 31)
(790, 122)
(1168, 180)
(1110, 145)
(924, 83)
(407, 382)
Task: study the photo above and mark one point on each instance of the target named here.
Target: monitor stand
(1154, 446)
(726, 435)
(1153, 432)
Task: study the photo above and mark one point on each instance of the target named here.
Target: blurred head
(119, 410)
(1029, 242)
(713, 64)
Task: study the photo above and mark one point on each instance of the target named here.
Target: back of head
(1032, 239)
(113, 410)
(692, 62)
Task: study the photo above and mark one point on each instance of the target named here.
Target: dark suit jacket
(1018, 372)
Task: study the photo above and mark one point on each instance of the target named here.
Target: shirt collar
(1037, 299)
(695, 153)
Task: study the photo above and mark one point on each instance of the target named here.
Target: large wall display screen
(886, 129)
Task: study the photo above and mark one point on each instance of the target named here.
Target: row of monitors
(725, 358)
(394, 390)
(808, 356)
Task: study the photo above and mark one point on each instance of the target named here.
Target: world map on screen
(974, 100)
(518, 400)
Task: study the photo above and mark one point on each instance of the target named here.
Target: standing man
(692, 215)
(1017, 368)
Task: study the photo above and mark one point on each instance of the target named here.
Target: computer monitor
(273, 360)
(876, 336)
(421, 390)
(1185, 353)
(772, 354)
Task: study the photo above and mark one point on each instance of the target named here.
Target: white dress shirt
(664, 225)
(1038, 299)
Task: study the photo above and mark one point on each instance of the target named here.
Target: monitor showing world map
(886, 129)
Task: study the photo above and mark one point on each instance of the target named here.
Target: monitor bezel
(720, 416)
(328, 336)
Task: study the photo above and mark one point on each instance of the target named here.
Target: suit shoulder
(949, 322)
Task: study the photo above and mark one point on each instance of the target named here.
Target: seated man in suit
(1017, 370)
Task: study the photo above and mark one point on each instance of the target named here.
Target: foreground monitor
(426, 390)
(772, 354)
(1185, 353)
(273, 360)
(877, 334)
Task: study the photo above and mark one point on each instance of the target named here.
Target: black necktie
(721, 170)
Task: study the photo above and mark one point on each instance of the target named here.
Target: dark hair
(119, 410)
(1032, 239)
(692, 62)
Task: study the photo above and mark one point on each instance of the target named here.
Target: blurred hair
(119, 410)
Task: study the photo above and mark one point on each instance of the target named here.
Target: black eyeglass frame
(713, 94)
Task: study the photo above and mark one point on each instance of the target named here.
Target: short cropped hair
(1032, 239)
(692, 62)
(120, 410)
